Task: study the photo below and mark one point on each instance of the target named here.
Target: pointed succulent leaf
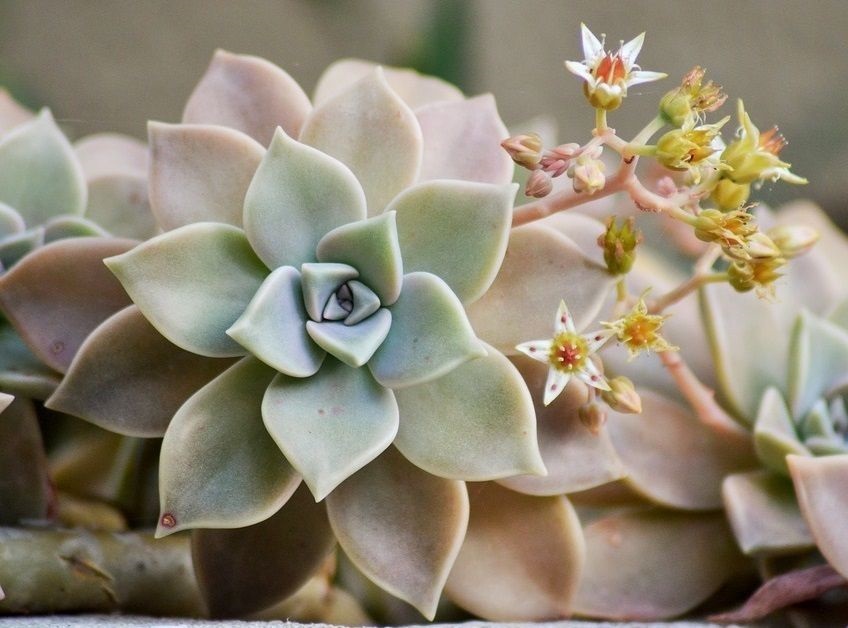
(415, 89)
(371, 246)
(21, 373)
(199, 173)
(12, 113)
(319, 282)
(332, 424)
(248, 94)
(820, 485)
(576, 459)
(41, 176)
(365, 302)
(62, 227)
(10, 222)
(429, 337)
(352, 344)
(818, 361)
(462, 140)
(775, 433)
(147, 377)
(521, 559)
(475, 423)
(57, 295)
(457, 230)
(273, 327)
(584, 231)
(25, 487)
(671, 457)
(110, 154)
(192, 284)
(297, 195)
(370, 129)
(764, 514)
(401, 526)
(541, 267)
(251, 479)
(19, 245)
(655, 564)
(246, 570)
(119, 204)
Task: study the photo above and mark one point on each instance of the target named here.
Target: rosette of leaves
(335, 270)
(782, 370)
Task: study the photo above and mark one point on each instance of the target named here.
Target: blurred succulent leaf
(61, 227)
(58, 294)
(297, 195)
(352, 344)
(475, 423)
(430, 334)
(415, 89)
(148, 377)
(119, 204)
(457, 230)
(401, 526)
(764, 514)
(207, 477)
(110, 154)
(818, 361)
(192, 284)
(245, 570)
(248, 94)
(521, 559)
(12, 113)
(25, 487)
(654, 564)
(370, 129)
(462, 140)
(371, 247)
(671, 457)
(575, 458)
(15, 247)
(41, 176)
(541, 267)
(273, 327)
(820, 486)
(332, 424)
(199, 173)
(11, 221)
(775, 433)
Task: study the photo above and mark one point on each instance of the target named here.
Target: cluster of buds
(689, 147)
(581, 164)
(619, 242)
(692, 99)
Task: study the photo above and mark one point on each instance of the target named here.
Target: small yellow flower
(756, 274)
(568, 354)
(687, 147)
(607, 75)
(692, 99)
(754, 156)
(640, 331)
(730, 229)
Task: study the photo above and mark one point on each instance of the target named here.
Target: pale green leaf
(818, 361)
(775, 433)
(352, 344)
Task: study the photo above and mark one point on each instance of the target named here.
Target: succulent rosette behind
(335, 268)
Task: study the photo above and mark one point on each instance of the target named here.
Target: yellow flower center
(569, 352)
(641, 331)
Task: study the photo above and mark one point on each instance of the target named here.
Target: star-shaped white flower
(568, 354)
(608, 74)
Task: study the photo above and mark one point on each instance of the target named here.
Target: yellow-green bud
(676, 107)
(622, 396)
(740, 275)
(525, 150)
(619, 243)
(593, 416)
(793, 240)
(759, 247)
(691, 99)
(683, 148)
(728, 195)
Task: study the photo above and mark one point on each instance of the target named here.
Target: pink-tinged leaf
(245, 570)
(521, 559)
(248, 94)
(820, 484)
(147, 377)
(462, 140)
(12, 113)
(199, 173)
(655, 564)
(785, 590)
(108, 154)
(58, 294)
(575, 458)
(415, 89)
(401, 527)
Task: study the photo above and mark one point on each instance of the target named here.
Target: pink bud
(539, 184)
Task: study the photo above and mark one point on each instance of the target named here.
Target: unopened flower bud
(525, 150)
(740, 275)
(622, 396)
(592, 416)
(557, 160)
(691, 99)
(793, 240)
(619, 243)
(539, 184)
(759, 246)
(730, 229)
(728, 195)
(587, 173)
(743, 275)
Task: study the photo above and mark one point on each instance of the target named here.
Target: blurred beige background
(111, 65)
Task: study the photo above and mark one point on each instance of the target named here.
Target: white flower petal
(564, 321)
(579, 69)
(536, 349)
(597, 339)
(630, 50)
(592, 376)
(641, 76)
(555, 384)
(592, 46)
